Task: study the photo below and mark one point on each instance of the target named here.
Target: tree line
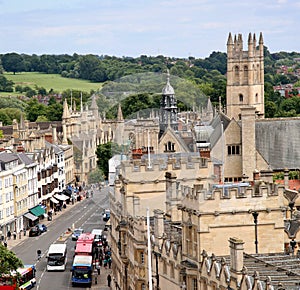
(208, 75)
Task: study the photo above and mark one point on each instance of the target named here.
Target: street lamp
(157, 255)
(255, 215)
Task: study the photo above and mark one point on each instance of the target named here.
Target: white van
(98, 237)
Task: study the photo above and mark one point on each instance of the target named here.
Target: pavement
(102, 279)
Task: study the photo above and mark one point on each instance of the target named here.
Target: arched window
(236, 74)
(241, 98)
(245, 75)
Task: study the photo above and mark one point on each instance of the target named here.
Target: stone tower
(245, 75)
(168, 108)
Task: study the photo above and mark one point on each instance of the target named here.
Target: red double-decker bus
(84, 249)
(87, 238)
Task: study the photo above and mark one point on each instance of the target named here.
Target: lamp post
(157, 255)
(255, 215)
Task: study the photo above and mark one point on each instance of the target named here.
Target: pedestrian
(15, 235)
(109, 263)
(108, 280)
(5, 243)
(96, 276)
(98, 267)
(9, 235)
(39, 254)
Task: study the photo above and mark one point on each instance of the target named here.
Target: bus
(57, 257)
(82, 270)
(84, 249)
(26, 279)
(87, 238)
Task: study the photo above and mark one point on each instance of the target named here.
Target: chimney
(236, 256)
(54, 134)
(158, 223)
(286, 178)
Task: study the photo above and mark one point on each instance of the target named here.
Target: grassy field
(50, 81)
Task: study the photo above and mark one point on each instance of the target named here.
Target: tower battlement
(245, 75)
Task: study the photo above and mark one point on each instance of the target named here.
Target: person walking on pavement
(9, 235)
(39, 254)
(108, 280)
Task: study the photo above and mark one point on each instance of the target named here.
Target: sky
(130, 28)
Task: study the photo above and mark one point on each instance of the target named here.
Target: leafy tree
(35, 109)
(5, 84)
(105, 152)
(8, 261)
(87, 65)
(270, 109)
(4, 118)
(13, 62)
(42, 118)
(96, 176)
(54, 112)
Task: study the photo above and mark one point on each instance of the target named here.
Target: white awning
(54, 200)
(61, 197)
(30, 216)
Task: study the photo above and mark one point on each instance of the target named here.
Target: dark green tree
(8, 261)
(96, 176)
(13, 62)
(105, 152)
(35, 109)
(5, 84)
(54, 112)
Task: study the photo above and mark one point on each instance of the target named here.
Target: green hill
(50, 81)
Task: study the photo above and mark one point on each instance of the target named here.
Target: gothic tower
(245, 76)
(168, 108)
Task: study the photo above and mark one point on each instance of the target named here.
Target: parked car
(76, 234)
(42, 228)
(34, 231)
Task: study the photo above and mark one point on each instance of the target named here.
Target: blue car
(42, 228)
(76, 234)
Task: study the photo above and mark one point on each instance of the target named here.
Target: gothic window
(241, 98)
(255, 74)
(165, 267)
(172, 270)
(245, 75)
(195, 284)
(170, 147)
(233, 150)
(236, 75)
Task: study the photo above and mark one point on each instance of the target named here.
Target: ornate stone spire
(120, 113)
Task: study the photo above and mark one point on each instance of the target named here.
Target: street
(86, 214)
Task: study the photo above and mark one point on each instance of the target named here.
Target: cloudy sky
(178, 28)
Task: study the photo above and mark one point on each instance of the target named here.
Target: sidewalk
(102, 278)
(21, 238)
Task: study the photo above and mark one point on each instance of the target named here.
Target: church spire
(120, 113)
(66, 112)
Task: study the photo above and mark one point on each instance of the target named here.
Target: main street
(86, 214)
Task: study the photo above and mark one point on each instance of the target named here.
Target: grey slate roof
(278, 141)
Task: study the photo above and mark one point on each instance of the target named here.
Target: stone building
(234, 200)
